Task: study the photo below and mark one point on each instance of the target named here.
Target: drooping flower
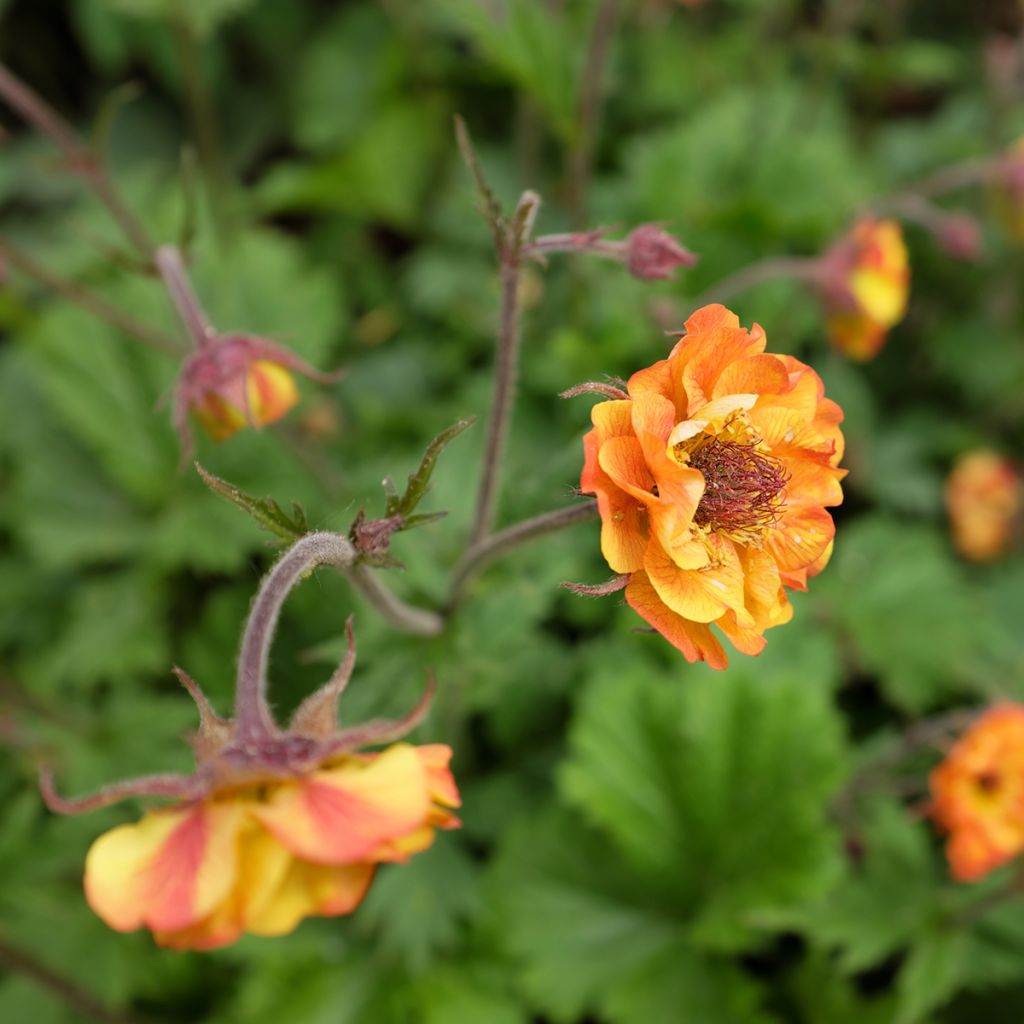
(978, 794)
(238, 381)
(984, 498)
(865, 281)
(712, 470)
(230, 381)
(275, 825)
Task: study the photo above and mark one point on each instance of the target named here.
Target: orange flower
(865, 284)
(274, 825)
(711, 471)
(978, 794)
(983, 498)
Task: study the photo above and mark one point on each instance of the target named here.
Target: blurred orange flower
(865, 282)
(978, 794)
(261, 858)
(711, 472)
(984, 499)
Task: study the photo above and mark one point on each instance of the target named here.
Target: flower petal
(167, 871)
(341, 814)
(694, 639)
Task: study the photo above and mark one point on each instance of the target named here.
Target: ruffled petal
(694, 639)
(341, 814)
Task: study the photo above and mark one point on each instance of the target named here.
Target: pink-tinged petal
(800, 538)
(312, 890)
(340, 815)
(168, 871)
(694, 639)
(701, 595)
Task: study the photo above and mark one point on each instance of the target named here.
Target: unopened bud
(653, 254)
(959, 234)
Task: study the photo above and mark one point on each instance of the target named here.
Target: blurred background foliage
(645, 841)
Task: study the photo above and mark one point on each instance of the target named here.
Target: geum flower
(712, 469)
(984, 497)
(978, 794)
(865, 282)
(275, 825)
(231, 381)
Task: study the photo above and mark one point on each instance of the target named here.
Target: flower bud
(653, 254)
(959, 234)
(237, 381)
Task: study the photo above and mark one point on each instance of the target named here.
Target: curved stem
(252, 713)
(186, 304)
(806, 269)
(481, 554)
(406, 617)
(253, 719)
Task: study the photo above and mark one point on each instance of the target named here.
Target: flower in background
(1007, 190)
(978, 794)
(230, 381)
(712, 470)
(237, 381)
(274, 825)
(984, 499)
(652, 254)
(865, 280)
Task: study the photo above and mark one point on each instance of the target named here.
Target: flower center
(742, 488)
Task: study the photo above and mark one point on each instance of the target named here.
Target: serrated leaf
(419, 481)
(719, 783)
(605, 939)
(265, 511)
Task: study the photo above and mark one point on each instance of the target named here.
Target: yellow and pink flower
(712, 470)
(865, 281)
(984, 497)
(978, 794)
(275, 825)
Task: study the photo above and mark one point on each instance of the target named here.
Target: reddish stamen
(742, 487)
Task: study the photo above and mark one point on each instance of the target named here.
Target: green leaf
(605, 940)
(420, 480)
(717, 782)
(896, 591)
(417, 910)
(265, 511)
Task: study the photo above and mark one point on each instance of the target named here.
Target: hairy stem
(81, 160)
(83, 1003)
(481, 554)
(505, 373)
(184, 299)
(252, 713)
(88, 300)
